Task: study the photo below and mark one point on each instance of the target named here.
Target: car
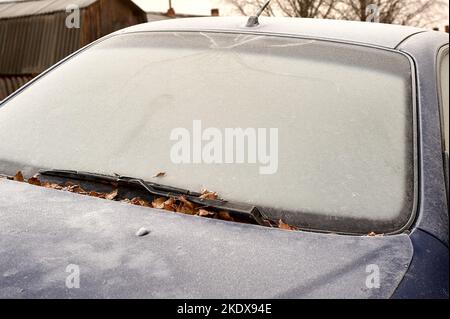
(231, 158)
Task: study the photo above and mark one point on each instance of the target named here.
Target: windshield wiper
(163, 190)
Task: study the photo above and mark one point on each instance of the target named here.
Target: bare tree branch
(406, 12)
(289, 8)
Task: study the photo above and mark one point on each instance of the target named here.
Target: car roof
(376, 34)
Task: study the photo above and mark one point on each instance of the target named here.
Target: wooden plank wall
(32, 44)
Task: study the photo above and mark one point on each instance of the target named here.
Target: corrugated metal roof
(36, 7)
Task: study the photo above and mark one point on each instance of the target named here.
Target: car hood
(45, 232)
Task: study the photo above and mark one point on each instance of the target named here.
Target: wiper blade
(156, 189)
(163, 190)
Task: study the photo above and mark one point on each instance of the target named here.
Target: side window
(444, 82)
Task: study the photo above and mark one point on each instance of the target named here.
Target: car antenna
(253, 20)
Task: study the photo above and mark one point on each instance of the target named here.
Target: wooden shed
(34, 35)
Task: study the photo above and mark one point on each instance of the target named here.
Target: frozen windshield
(317, 133)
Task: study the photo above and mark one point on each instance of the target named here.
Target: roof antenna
(253, 20)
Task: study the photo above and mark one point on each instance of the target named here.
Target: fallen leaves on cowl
(285, 226)
(160, 174)
(177, 204)
(18, 177)
(373, 234)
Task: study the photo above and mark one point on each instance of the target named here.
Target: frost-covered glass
(345, 142)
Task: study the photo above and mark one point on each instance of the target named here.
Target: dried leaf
(69, 188)
(160, 174)
(185, 210)
(140, 202)
(224, 215)
(170, 205)
(77, 189)
(185, 202)
(51, 185)
(164, 203)
(159, 202)
(34, 181)
(285, 226)
(205, 213)
(206, 194)
(185, 206)
(112, 195)
(373, 234)
(96, 194)
(18, 177)
(73, 188)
